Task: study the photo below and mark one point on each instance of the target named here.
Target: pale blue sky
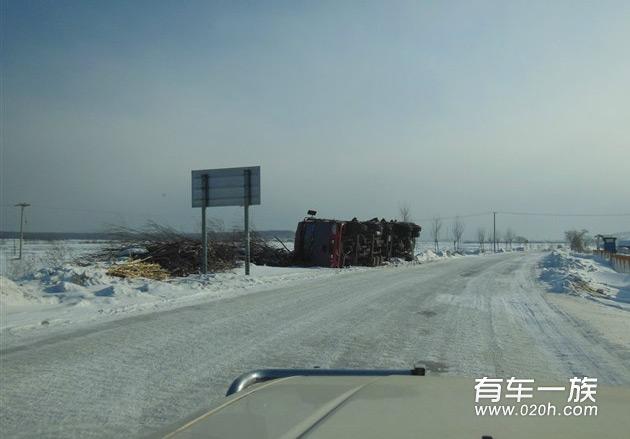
(350, 108)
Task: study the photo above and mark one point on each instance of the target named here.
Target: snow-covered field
(47, 290)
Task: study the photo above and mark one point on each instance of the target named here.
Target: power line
(71, 209)
(452, 217)
(565, 214)
(109, 212)
(470, 215)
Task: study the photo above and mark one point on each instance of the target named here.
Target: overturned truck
(335, 243)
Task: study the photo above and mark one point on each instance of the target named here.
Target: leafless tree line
(508, 238)
(457, 229)
(457, 232)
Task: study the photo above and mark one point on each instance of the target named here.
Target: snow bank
(431, 256)
(12, 294)
(583, 275)
(71, 294)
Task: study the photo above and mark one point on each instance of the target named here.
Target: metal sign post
(204, 232)
(248, 194)
(226, 187)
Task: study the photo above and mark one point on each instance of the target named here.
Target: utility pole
(494, 231)
(21, 206)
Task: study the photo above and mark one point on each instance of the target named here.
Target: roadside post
(22, 206)
(247, 200)
(226, 187)
(494, 232)
(204, 231)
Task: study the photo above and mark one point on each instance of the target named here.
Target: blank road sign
(226, 187)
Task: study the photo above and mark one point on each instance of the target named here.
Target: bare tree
(481, 237)
(458, 232)
(404, 213)
(436, 226)
(577, 239)
(509, 238)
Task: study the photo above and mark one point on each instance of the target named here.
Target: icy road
(470, 316)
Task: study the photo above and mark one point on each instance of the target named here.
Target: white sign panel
(226, 187)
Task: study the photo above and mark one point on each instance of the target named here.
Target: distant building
(609, 243)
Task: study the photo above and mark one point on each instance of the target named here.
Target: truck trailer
(337, 243)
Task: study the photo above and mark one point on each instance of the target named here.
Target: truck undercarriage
(336, 243)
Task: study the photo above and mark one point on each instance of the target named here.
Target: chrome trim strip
(262, 375)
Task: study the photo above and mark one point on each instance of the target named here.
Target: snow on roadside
(586, 276)
(70, 294)
(432, 256)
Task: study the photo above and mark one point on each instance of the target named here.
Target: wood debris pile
(138, 268)
(180, 254)
(263, 253)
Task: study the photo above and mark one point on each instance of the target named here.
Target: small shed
(610, 244)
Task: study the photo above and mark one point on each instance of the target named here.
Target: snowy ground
(469, 316)
(46, 291)
(587, 276)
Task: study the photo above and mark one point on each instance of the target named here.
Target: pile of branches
(138, 268)
(180, 254)
(261, 251)
(264, 253)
